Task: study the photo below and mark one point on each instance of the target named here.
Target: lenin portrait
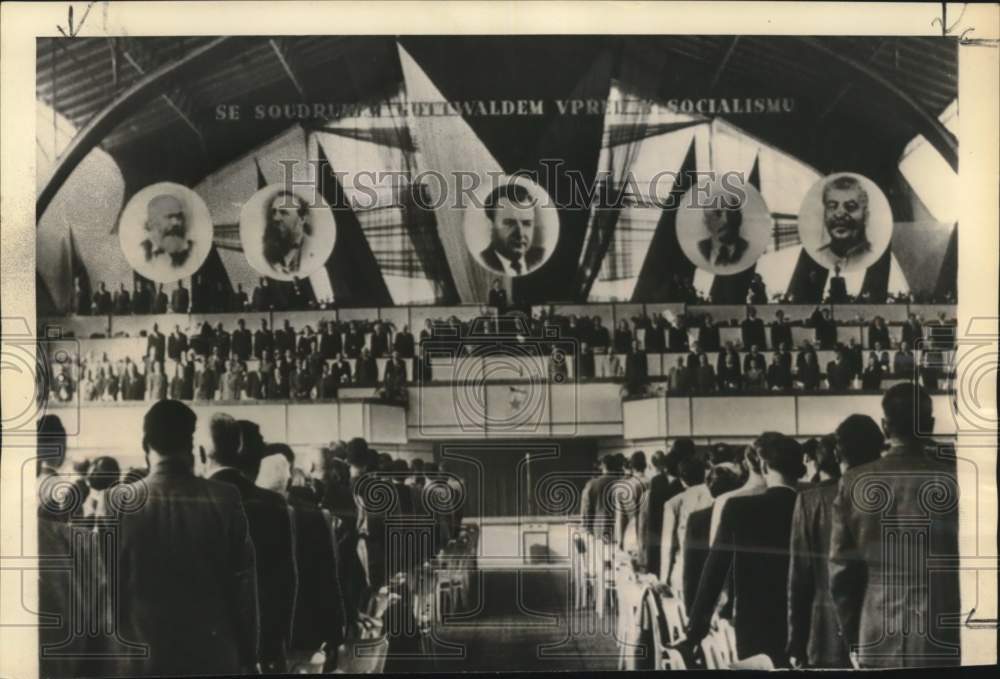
(723, 229)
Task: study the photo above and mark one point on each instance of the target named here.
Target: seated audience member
(205, 384)
(860, 575)
(328, 385)
(903, 363)
(814, 638)
(753, 540)
(192, 605)
(722, 478)
(871, 378)
(809, 371)
(779, 378)
(278, 389)
(707, 380)
(838, 373)
(754, 378)
(675, 517)
(342, 369)
(234, 459)
(730, 378)
(301, 382)
(754, 358)
(883, 357)
(232, 382)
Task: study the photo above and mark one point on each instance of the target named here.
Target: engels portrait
(286, 232)
(724, 245)
(510, 210)
(166, 232)
(845, 217)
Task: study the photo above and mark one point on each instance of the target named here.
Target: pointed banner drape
(352, 268)
(666, 271)
(575, 142)
(448, 146)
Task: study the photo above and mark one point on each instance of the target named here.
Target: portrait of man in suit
(167, 242)
(845, 217)
(512, 250)
(724, 246)
(287, 230)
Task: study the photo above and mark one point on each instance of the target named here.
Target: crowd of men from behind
(229, 558)
(790, 543)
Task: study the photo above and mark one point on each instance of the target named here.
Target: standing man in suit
(263, 340)
(237, 449)
(498, 297)
(102, 300)
(141, 299)
(160, 300)
(156, 344)
(185, 562)
(510, 210)
(81, 298)
(180, 300)
(891, 605)
(367, 369)
(752, 329)
(123, 302)
(664, 485)
(753, 540)
(814, 637)
(319, 607)
(177, 344)
(342, 370)
(781, 331)
(596, 511)
(241, 341)
(330, 343)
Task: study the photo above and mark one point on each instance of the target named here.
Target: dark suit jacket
(813, 633)
(532, 258)
(271, 532)
(696, 546)
(596, 512)
(159, 343)
(241, 343)
(780, 333)
(187, 564)
(498, 299)
(319, 606)
(661, 489)
(753, 539)
(751, 333)
(367, 372)
(179, 301)
(739, 248)
(889, 517)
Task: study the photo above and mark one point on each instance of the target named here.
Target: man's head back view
(907, 412)
(168, 432)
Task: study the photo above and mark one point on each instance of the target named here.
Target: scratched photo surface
(385, 352)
